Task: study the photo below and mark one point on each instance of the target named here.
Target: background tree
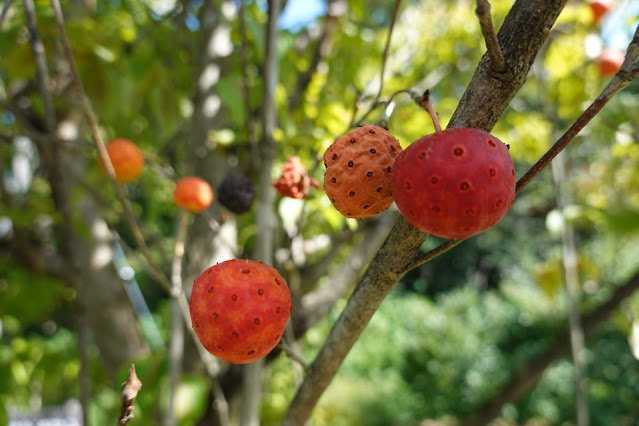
(211, 88)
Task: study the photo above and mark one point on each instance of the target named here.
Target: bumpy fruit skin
(294, 182)
(610, 61)
(455, 183)
(599, 8)
(193, 194)
(236, 193)
(358, 170)
(239, 309)
(126, 158)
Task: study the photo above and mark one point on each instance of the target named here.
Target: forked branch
(523, 39)
(629, 71)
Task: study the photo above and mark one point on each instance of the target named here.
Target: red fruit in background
(294, 182)
(239, 309)
(126, 158)
(599, 8)
(609, 61)
(358, 170)
(193, 194)
(455, 183)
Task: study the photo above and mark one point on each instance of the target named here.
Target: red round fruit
(126, 158)
(455, 183)
(239, 309)
(193, 194)
(610, 61)
(358, 169)
(599, 8)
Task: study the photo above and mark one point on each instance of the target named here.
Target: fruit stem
(425, 102)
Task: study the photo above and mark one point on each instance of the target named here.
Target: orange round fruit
(599, 8)
(239, 309)
(193, 194)
(358, 171)
(126, 158)
(610, 61)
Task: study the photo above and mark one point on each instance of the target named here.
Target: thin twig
(387, 49)
(377, 100)
(104, 156)
(620, 80)
(573, 293)
(209, 361)
(246, 88)
(497, 63)
(50, 153)
(372, 108)
(431, 254)
(425, 102)
(176, 345)
(294, 356)
(5, 9)
(266, 219)
(335, 9)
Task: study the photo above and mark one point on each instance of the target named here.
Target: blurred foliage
(455, 328)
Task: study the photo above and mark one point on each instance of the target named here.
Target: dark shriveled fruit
(294, 181)
(239, 309)
(454, 183)
(236, 193)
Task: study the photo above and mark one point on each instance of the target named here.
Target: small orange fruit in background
(126, 158)
(610, 61)
(193, 194)
(599, 8)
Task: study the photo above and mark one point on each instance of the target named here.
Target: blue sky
(300, 13)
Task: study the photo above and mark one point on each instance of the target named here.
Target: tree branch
(482, 11)
(209, 361)
(619, 81)
(176, 345)
(317, 304)
(573, 292)
(246, 87)
(266, 220)
(526, 376)
(104, 156)
(5, 9)
(52, 159)
(387, 49)
(521, 36)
